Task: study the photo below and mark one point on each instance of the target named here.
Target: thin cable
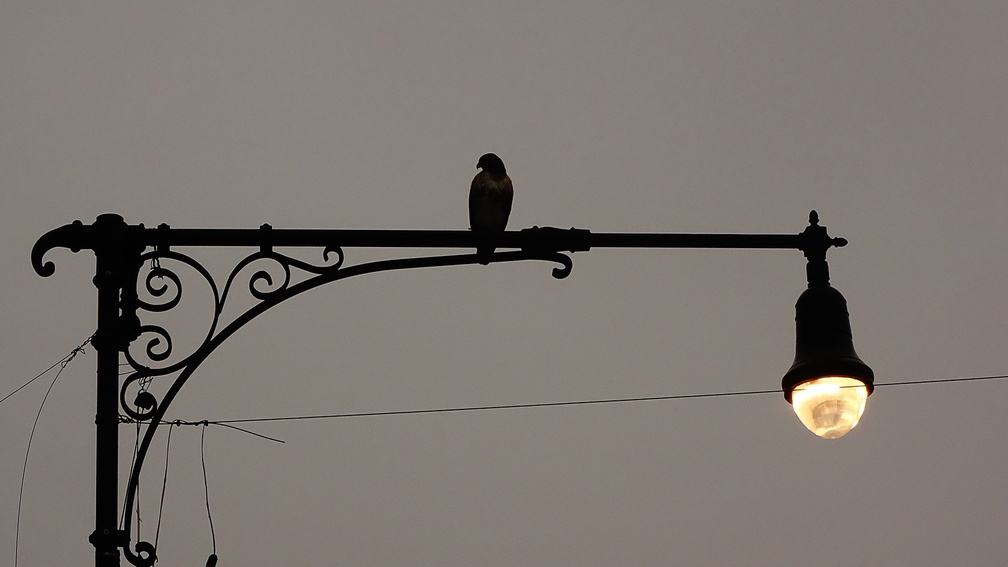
(206, 488)
(212, 560)
(260, 435)
(24, 470)
(226, 422)
(63, 360)
(495, 407)
(944, 380)
(164, 486)
(128, 419)
(40, 374)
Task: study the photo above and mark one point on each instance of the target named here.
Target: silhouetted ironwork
(140, 274)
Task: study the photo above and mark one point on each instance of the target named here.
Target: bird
(490, 197)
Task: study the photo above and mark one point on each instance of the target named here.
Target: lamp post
(138, 270)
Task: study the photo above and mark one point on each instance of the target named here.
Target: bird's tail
(485, 246)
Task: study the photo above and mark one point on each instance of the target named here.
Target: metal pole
(117, 262)
(106, 343)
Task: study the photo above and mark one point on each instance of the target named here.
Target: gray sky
(888, 118)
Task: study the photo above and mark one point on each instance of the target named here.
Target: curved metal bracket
(268, 278)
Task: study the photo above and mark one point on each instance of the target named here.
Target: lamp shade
(828, 384)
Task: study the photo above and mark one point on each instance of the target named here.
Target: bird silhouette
(490, 197)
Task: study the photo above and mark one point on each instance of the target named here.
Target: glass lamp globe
(830, 406)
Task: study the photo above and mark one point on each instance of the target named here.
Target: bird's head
(491, 164)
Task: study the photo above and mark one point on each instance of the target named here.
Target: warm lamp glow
(830, 406)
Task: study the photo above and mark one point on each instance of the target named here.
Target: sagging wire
(62, 363)
(212, 559)
(164, 487)
(178, 422)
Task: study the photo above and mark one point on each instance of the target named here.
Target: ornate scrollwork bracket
(142, 274)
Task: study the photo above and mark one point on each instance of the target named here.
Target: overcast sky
(889, 118)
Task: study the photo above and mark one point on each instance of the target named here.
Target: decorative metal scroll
(264, 279)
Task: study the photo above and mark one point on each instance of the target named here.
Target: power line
(943, 381)
(228, 422)
(63, 362)
(497, 407)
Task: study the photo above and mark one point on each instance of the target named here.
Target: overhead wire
(63, 362)
(944, 380)
(230, 422)
(206, 494)
(164, 488)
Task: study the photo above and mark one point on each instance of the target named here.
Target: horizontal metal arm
(110, 229)
(535, 238)
(667, 240)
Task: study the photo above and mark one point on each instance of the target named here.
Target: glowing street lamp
(828, 384)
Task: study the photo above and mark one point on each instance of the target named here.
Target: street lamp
(137, 272)
(828, 384)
